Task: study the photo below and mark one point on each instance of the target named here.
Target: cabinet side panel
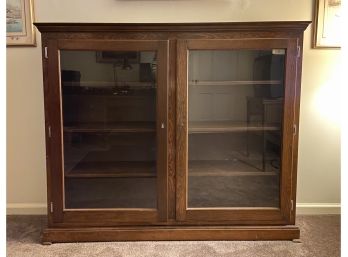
(54, 132)
(46, 111)
(287, 202)
(296, 121)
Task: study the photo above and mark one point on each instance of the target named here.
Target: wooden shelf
(136, 169)
(228, 168)
(108, 84)
(120, 169)
(120, 127)
(233, 82)
(228, 126)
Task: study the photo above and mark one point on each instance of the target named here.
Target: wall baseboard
(318, 208)
(301, 208)
(26, 209)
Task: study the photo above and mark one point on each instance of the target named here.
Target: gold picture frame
(326, 30)
(19, 23)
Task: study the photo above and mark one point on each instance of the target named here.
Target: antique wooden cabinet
(171, 131)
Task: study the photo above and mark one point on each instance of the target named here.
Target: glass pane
(109, 124)
(235, 110)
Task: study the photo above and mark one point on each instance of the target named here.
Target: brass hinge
(49, 132)
(46, 52)
(298, 51)
(51, 207)
(292, 205)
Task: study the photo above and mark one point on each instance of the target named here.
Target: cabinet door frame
(58, 215)
(238, 215)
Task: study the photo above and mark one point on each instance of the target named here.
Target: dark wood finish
(59, 213)
(47, 124)
(53, 130)
(172, 220)
(296, 122)
(255, 43)
(108, 217)
(298, 26)
(181, 131)
(159, 233)
(172, 130)
(139, 45)
(286, 202)
(162, 129)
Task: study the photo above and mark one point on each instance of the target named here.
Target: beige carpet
(320, 238)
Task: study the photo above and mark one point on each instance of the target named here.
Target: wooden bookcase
(171, 131)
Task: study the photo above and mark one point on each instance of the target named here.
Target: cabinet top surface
(167, 27)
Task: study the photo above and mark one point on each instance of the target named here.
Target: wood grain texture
(170, 233)
(162, 129)
(105, 217)
(44, 43)
(182, 143)
(54, 116)
(181, 131)
(172, 130)
(288, 131)
(54, 132)
(120, 45)
(297, 93)
(224, 44)
(297, 26)
(172, 220)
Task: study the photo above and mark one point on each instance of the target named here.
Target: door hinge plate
(49, 132)
(51, 207)
(294, 129)
(292, 205)
(46, 52)
(298, 51)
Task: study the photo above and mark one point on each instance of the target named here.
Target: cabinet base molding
(158, 233)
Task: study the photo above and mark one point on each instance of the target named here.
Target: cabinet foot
(298, 241)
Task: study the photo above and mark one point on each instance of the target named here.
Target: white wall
(319, 148)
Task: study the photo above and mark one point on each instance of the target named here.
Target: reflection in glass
(109, 124)
(235, 108)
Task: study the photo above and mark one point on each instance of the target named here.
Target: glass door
(235, 166)
(113, 129)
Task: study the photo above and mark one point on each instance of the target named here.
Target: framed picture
(19, 23)
(327, 22)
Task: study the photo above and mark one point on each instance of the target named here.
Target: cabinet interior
(109, 119)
